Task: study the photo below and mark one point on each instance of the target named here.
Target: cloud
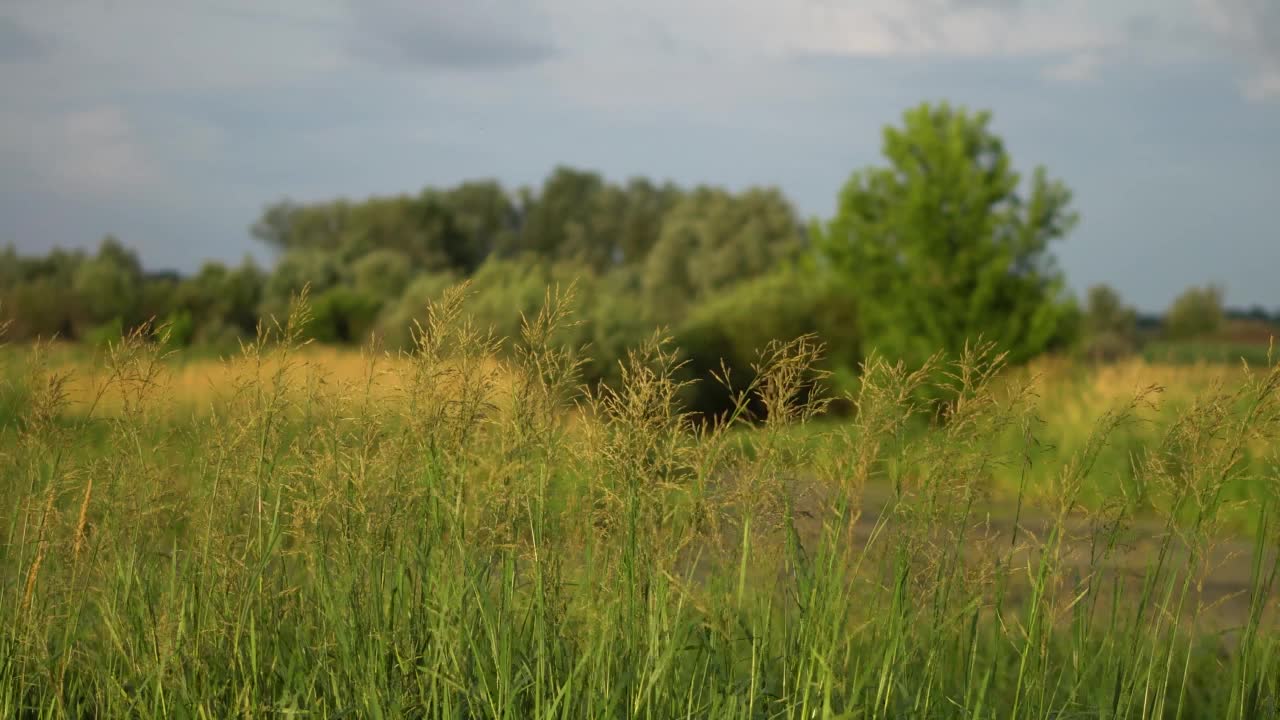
(19, 44)
(101, 52)
(97, 150)
(477, 34)
(100, 151)
(714, 59)
(1079, 68)
(1250, 29)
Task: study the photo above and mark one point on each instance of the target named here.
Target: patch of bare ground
(1001, 547)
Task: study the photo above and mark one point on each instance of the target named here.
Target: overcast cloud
(172, 124)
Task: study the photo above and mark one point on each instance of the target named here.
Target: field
(463, 533)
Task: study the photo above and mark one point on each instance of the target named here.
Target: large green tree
(942, 245)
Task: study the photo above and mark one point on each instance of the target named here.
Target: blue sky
(172, 124)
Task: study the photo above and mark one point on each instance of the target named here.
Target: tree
(1195, 313)
(712, 239)
(318, 269)
(484, 219)
(1109, 326)
(342, 315)
(383, 274)
(110, 283)
(573, 217)
(395, 323)
(640, 224)
(940, 246)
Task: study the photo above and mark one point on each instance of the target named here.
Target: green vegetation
(643, 451)
(468, 532)
(1195, 313)
(940, 247)
(946, 243)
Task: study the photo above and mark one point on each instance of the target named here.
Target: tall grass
(461, 532)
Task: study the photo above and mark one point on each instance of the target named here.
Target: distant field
(457, 534)
(1068, 398)
(1187, 353)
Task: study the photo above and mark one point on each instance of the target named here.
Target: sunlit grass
(462, 533)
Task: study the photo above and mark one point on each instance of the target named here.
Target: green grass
(490, 541)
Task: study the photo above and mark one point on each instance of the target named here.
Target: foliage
(712, 239)
(725, 334)
(610, 320)
(343, 315)
(1195, 313)
(456, 534)
(940, 247)
(1109, 327)
(297, 269)
(382, 273)
(110, 283)
(929, 252)
(395, 323)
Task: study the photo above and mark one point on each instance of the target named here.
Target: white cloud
(1250, 30)
(871, 28)
(100, 150)
(147, 47)
(93, 150)
(97, 150)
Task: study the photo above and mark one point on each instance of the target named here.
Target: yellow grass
(197, 386)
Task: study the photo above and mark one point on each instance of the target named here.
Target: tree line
(942, 242)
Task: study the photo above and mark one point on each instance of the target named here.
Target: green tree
(343, 314)
(940, 246)
(1195, 313)
(436, 230)
(383, 274)
(319, 269)
(110, 283)
(640, 223)
(573, 217)
(1108, 325)
(222, 303)
(483, 220)
(712, 239)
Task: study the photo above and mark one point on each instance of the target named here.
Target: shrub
(343, 315)
(735, 325)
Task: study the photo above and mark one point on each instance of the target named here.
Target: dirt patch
(1218, 599)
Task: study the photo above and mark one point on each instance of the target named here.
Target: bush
(42, 308)
(1197, 312)
(343, 315)
(181, 328)
(382, 273)
(737, 324)
(1110, 327)
(608, 312)
(104, 335)
(395, 323)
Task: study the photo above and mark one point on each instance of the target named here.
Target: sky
(172, 124)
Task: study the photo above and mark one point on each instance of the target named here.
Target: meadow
(460, 531)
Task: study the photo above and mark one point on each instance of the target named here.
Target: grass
(461, 533)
